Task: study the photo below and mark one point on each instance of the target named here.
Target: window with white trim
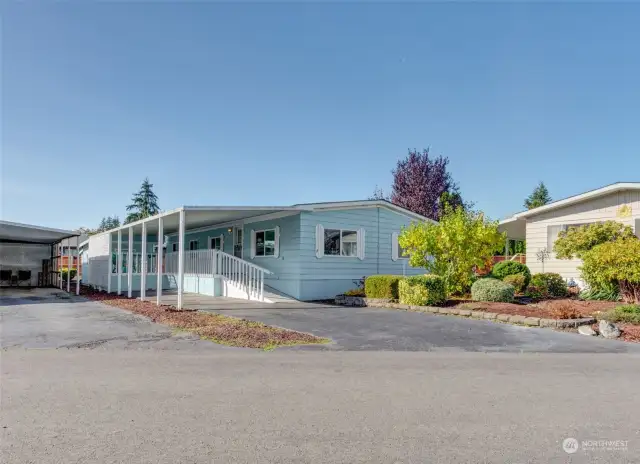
(265, 242)
(340, 242)
(215, 243)
(193, 245)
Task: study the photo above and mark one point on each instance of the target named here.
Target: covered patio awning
(516, 228)
(203, 216)
(14, 232)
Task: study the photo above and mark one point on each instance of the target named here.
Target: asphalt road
(86, 383)
(148, 406)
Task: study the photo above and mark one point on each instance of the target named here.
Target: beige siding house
(540, 226)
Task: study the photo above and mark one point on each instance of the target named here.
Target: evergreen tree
(144, 203)
(107, 223)
(539, 197)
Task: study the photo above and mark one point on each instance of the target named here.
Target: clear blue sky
(222, 104)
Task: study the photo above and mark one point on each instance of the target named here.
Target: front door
(237, 242)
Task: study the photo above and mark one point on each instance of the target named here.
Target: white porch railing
(241, 273)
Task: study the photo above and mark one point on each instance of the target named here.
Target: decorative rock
(490, 315)
(532, 321)
(464, 312)
(454, 311)
(503, 317)
(548, 323)
(567, 323)
(586, 330)
(477, 314)
(517, 319)
(608, 330)
(444, 311)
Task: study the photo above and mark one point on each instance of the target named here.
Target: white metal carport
(24, 246)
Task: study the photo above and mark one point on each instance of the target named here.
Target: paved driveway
(386, 329)
(49, 318)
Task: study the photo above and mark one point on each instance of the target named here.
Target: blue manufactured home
(300, 252)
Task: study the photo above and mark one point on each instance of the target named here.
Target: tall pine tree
(539, 197)
(144, 203)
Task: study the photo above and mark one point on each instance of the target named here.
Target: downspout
(378, 254)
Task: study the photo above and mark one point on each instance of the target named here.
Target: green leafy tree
(539, 197)
(144, 203)
(453, 248)
(575, 241)
(614, 264)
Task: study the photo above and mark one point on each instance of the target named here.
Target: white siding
(98, 257)
(604, 208)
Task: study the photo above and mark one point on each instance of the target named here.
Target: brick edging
(508, 318)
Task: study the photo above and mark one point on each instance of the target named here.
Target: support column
(160, 257)
(130, 263)
(110, 264)
(143, 259)
(69, 265)
(59, 264)
(119, 262)
(181, 258)
(78, 266)
(506, 250)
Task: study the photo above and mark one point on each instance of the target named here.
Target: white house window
(553, 231)
(215, 243)
(265, 242)
(174, 247)
(193, 245)
(397, 252)
(340, 242)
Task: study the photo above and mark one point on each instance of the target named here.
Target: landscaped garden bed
(215, 327)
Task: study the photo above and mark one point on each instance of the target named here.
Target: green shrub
(506, 268)
(600, 294)
(518, 281)
(549, 284)
(64, 271)
(490, 289)
(382, 286)
(576, 241)
(629, 314)
(614, 265)
(422, 290)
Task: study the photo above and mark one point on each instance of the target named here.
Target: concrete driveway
(378, 329)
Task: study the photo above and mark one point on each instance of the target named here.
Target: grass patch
(225, 330)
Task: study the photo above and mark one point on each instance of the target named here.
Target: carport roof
(14, 232)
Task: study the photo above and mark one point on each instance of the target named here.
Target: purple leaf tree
(422, 184)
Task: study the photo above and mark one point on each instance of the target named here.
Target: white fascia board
(579, 198)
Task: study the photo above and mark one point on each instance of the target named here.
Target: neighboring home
(540, 226)
(303, 252)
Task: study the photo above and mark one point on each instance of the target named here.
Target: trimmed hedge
(422, 290)
(549, 284)
(490, 289)
(506, 268)
(518, 281)
(382, 286)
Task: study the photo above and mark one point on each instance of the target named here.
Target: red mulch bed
(549, 309)
(630, 332)
(216, 327)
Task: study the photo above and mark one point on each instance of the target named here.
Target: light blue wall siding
(327, 276)
(137, 243)
(203, 239)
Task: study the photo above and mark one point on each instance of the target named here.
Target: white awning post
(110, 264)
(160, 255)
(119, 261)
(69, 265)
(181, 258)
(143, 259)
(130, 264)
(59, 261)
(78, 266)
(506, 250)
